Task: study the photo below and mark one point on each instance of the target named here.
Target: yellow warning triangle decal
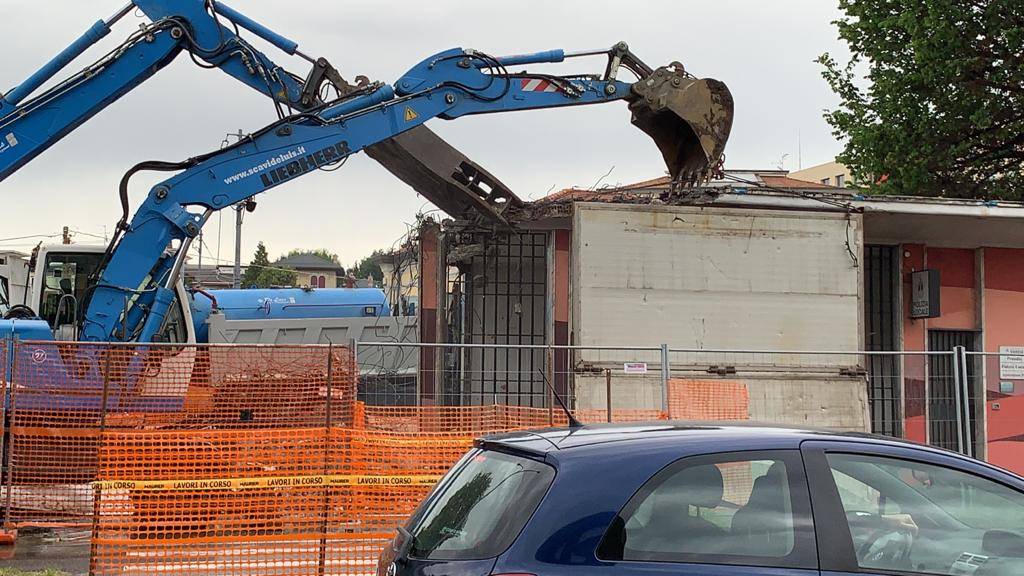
(410, 114)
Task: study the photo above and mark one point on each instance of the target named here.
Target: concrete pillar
(431, 289)
(560, 307)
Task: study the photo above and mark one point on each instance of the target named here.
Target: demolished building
(755, 261)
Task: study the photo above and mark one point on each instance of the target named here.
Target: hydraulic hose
(122, 224)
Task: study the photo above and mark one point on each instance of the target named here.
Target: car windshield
(480, 508)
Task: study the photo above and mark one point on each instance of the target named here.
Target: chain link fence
(932, 397)
(240, 459)
(996, 406)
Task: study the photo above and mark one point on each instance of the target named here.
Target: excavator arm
(211, 33)
(31, 121)
(688, 118)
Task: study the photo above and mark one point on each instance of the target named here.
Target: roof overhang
(899, 220)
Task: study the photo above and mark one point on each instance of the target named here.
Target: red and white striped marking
(537, 85)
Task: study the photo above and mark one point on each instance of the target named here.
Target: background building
(217, 277)
(401, 274)
(313, 270)
(827, 174)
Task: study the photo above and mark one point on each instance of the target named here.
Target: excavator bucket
(688, 118)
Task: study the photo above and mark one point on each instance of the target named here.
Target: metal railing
(959, 400)
(921, 395)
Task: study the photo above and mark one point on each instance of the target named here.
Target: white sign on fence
(635, 367)
(1011, 362)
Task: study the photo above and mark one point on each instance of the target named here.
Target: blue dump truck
(286, 304)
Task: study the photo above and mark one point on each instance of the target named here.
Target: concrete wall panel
(716, 278)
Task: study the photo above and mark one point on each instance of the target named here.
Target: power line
(232, 262)
(73, 231)
(29, 237)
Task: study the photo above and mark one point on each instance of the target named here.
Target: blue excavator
(322, 119)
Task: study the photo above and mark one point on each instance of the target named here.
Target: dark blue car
(712, 500)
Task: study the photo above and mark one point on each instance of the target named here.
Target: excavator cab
(689, 119)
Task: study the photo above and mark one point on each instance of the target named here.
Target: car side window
(908, 516)
(747, 509)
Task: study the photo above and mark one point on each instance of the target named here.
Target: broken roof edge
(732, 179)
(732, 194)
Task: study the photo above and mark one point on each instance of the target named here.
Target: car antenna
(573, 422)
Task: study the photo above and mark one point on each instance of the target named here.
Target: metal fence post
(957, 376)
(550, 353)
(328, 417)
(608, 392)
(328, 423)
(665, 375)
(355, 361)
(97, 493)
(965, 400)
(8, 445)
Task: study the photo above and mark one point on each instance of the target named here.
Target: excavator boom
(684, 116)
(688, 118)
(448, 85)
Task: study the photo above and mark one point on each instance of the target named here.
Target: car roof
(553, 440)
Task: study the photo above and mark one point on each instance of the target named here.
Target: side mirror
(1003, 544)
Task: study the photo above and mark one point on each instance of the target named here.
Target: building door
(882, 333)
(500, 300)
(942, 393)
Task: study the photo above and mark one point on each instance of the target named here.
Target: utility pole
(799, 152)
(236, 278)
(200, 248)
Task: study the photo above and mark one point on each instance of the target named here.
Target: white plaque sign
(1011, 362)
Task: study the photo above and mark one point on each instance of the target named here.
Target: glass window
(826, 181)
(65, 287)
(913, 517)
(5, 303)
(840, 180)
(480, 507)
(745, 511)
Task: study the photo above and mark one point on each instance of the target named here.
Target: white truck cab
(59, 289)
(13, 279)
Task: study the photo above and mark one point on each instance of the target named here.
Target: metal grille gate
(950, 379)
(501, 299)
(882, 333)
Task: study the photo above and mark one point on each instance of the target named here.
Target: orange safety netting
(244, 459)
(708, 400)
(285, 501)
(53, 434)
(65, 396)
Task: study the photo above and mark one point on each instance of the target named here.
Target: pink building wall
(1004, 326)
(980, 290)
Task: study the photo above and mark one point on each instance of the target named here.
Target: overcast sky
(764, 51)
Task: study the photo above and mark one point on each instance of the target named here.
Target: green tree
(369, 267)
(260, 261)
(260, 274)
(942, 110)
(271, 277)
